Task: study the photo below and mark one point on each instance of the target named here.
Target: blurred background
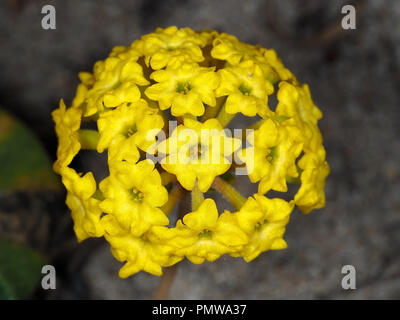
(354, 77)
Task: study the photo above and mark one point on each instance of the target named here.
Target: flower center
(196, 152)
(246, 90)
(259, 225)
(129, 131)
(136, 195)
(183, 87)
(205, 234)
(273, 154)
(116, 85)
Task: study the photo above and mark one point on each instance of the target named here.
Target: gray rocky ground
(354, 77)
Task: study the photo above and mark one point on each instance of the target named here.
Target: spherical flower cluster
(201, 81)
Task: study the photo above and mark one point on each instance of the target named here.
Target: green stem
(174, 196)
(166, 177)
(197, 198)
(211, 112)
(94, 117)
(230, 193)
(189, 116)
(256, 125)
(225, 118)
(98, 195)
(167, 279)
(88, 138)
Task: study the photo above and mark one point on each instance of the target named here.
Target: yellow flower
(315, 170)
(68, 122)
(127, 128)
(138, 252)
(229, 48)
(184, 87)
(198, 150)
(247, 89)
(272, 158)
(264, 220)
(272, 59)
(203, 235)
(134, 194)
(208, 35)
(124, 53)
(115, 81)
(295, 103)
(167, 45)
(80, 95)
(84, 208)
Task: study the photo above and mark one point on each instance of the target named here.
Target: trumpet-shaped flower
(229, 48)
(315, 170)
(247, 89)
(295, 103)
(67, 123)
(114, 81)
(127, 128)
(273, 155)
(138, 252)
(203, 235)
(264, 221)
(272, 59)
(134, 194)
(171, 44)
(198, 151)
(85, 210)
(184, 88)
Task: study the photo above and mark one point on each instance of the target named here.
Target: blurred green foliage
(20, 270)
(24, 163)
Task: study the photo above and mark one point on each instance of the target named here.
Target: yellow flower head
(159, 111)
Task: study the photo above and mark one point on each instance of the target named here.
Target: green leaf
(20, 270)
(6, 292)
(24, 163)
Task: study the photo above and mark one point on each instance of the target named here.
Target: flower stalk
(197, 198)
(88, 139)
(230, 193)
(174, 196)
(211, 112)
(225, 118)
